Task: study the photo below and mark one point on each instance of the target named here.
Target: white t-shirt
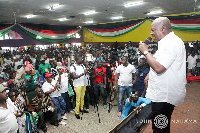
(8, 121)
(7, 62)
(47, 87)
(63, 83)
(125, 75)
(89, 57)
(169, 86)
(17, 64)
(87, 80)
(192, 61)
(79, 70)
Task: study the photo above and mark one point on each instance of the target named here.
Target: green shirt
(34, 80)
(44, 68)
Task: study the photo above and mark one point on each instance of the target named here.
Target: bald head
(160, 28)
(162, 22)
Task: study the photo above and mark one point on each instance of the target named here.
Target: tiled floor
(185, 117)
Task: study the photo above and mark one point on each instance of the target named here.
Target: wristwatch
(146, 52)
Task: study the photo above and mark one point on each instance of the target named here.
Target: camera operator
(99, 78)
(89, 93)
(91, 70)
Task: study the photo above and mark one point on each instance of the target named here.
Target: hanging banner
(116, 31)
(4, 30)
(48, 35)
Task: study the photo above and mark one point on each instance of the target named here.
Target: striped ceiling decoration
(49, 35)
(5, 29)
(115, 31)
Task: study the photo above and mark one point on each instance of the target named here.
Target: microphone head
(148, 40)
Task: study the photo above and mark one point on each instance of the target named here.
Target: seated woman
(18, 110)
(33, 81)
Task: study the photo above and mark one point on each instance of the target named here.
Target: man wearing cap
(132, 102)
(50, 88)
(8, 121)
(44, 67)
(141, 73)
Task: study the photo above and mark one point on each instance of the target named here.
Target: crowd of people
(56, 81)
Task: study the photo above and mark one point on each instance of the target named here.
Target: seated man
(132, 102)
(43, 105)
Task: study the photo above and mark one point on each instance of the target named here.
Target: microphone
(148, 40)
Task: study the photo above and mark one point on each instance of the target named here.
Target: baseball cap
(42, 59)
(47, 74)
(2, 88)
(26, 63)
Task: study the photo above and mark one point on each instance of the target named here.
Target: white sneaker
(62, 123)
(72, 112)
(64, 117)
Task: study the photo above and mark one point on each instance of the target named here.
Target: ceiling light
(53, 7)
(30, 16)
(119, 17)
(154, 12)
(89, 22)
(89, 12)
(133, 3)
(62, 19)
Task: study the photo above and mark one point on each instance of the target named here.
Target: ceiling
(12, 11)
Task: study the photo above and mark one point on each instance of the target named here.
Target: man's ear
(163, 29)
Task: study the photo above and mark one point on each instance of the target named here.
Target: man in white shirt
(167, 76)
(51, 88)
(192, 61)
(78, 72)
(62, 78)
(125, 74)
(8, 121)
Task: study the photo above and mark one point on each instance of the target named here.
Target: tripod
(110, 105)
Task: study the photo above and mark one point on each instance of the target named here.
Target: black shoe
(77, 116)
(54, 123)
(84, 111)
(44, 129)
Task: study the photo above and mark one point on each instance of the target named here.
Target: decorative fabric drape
(185, 24)
(48, 35)
(115, 31)
(5, 29)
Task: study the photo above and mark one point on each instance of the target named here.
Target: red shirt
(99, 78)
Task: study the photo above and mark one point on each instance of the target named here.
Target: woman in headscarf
(33, 81)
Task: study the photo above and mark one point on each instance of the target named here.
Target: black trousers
(161, 116)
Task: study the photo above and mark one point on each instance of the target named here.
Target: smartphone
(132, 95)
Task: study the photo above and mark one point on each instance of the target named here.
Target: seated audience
(44, 106)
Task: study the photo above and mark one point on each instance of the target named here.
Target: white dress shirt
(169, 86)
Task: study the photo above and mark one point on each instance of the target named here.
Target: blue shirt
(129, 104)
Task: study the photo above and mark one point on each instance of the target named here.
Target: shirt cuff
(143, 104)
